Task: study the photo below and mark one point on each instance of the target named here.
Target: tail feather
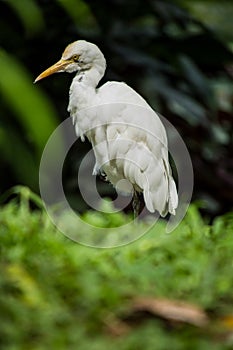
(173, 196)
(162, 197)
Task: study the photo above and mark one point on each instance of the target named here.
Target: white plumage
(128, 138)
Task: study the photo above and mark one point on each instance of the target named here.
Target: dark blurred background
(176, 54)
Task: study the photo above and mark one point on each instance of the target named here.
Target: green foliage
(83, 16)
(55, 293)
(29, 13)
(35, 115)
(28, 103)
(213, 14)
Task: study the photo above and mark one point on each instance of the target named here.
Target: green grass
(57, 294)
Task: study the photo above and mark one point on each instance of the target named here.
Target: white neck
(83, 88)
(83, 93)
(90, 77)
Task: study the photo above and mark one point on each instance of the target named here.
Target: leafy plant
(178, 60)
(55, 293)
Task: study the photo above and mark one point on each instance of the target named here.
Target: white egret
(128, 137)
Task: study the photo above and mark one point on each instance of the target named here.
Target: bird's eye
(75, 58)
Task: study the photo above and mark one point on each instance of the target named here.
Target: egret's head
(78, 56)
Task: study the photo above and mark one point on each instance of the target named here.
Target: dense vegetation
(57, 294)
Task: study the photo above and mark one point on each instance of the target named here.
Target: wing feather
(132, 145)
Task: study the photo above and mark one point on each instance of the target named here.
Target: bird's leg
(136, 203)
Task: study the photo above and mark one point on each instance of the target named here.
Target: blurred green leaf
(80, 13)
(183, 104)
(198, 83)
(30, 291)
(28, 103)
(220, 134)
(213, 13)
(30, 14)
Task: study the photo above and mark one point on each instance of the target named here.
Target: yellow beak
(57, 67)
